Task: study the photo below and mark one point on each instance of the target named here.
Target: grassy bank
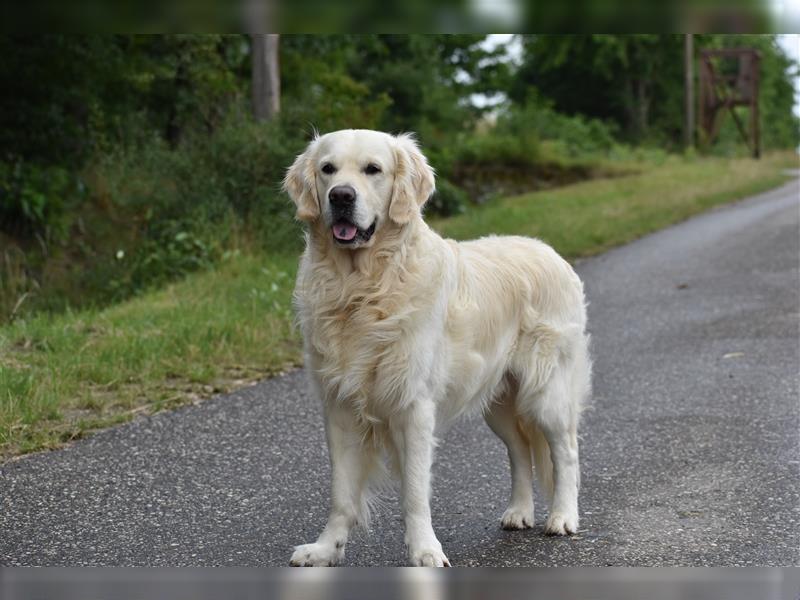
(590, 217)
(63, 376)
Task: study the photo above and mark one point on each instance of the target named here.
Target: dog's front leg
(413, 437)
(351, 462)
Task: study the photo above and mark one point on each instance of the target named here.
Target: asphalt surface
(689, 451)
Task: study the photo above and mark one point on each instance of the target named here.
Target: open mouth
(345, 232)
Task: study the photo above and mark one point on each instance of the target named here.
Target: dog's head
(356, 181)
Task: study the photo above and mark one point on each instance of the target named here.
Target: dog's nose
(342, 195)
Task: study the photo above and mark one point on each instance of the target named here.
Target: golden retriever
(405, 331)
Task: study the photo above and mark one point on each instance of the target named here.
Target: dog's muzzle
(343, 200)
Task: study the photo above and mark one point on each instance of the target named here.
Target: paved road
(689, 453)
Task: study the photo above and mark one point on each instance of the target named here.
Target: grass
(63, 376)
(590, 217)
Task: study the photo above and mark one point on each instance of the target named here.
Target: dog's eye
(371, 169)
(328, 169)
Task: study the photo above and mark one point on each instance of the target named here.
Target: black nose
(342, 195)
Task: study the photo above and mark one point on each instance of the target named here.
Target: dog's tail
(541, 460)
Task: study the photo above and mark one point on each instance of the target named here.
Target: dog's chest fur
(359, 326)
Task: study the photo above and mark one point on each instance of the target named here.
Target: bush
(578, 136)
(170, 255)
(35, 200)
(520, 148)
(187, 206)
(525, 148)
(243, 165)
(529, 136)
(238, 169)
(447, 200)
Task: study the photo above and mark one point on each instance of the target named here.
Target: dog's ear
(301, 184)
(413, 180)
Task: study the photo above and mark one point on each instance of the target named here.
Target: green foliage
(36, 199)
(160, 258)
(447, 200)
(627, 79)
(186, 82)
(528, 147)
(515, 140)
(404, 68)
(192, 203)
(636, 82)
(579, 136)
(51, 84)
(319, 90)
(127, 161)
(499, 147)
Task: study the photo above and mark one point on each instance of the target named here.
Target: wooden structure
(729, 78)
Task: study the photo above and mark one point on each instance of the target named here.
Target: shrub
(35, 200)
(447, 200)
(577, 135)
(520, 148)
(172, 253)
(187, 206)
(515, 140)
(238, 169)
(243, 163)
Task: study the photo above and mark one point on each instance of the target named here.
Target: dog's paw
(561, 524)
(428, 557)
(517, 518)
(317, 555)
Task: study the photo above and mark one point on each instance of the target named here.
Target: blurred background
(129, 162)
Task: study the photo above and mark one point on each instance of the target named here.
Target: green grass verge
(66, 375)
(62, 376)
(593, 216)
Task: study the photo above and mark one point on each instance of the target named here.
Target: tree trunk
(266, 76)
(688, 93)
(643, 107)
(174, 128)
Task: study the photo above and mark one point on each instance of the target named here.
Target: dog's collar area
(361, 235)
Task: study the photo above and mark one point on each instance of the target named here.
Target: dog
(405, 331)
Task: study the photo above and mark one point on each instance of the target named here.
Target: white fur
(408, 331)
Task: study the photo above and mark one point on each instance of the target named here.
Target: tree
(629, 79)
(427, 78)
(266, 76)
(636, 81)
(53, 87)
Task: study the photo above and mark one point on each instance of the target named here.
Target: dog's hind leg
(352, 463)
(555, 410)
(554, 374)
(502, 419)
(563, 442)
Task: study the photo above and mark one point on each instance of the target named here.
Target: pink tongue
(344, 231)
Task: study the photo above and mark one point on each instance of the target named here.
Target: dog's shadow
(532, 547)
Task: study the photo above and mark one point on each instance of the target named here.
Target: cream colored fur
(407, 331)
